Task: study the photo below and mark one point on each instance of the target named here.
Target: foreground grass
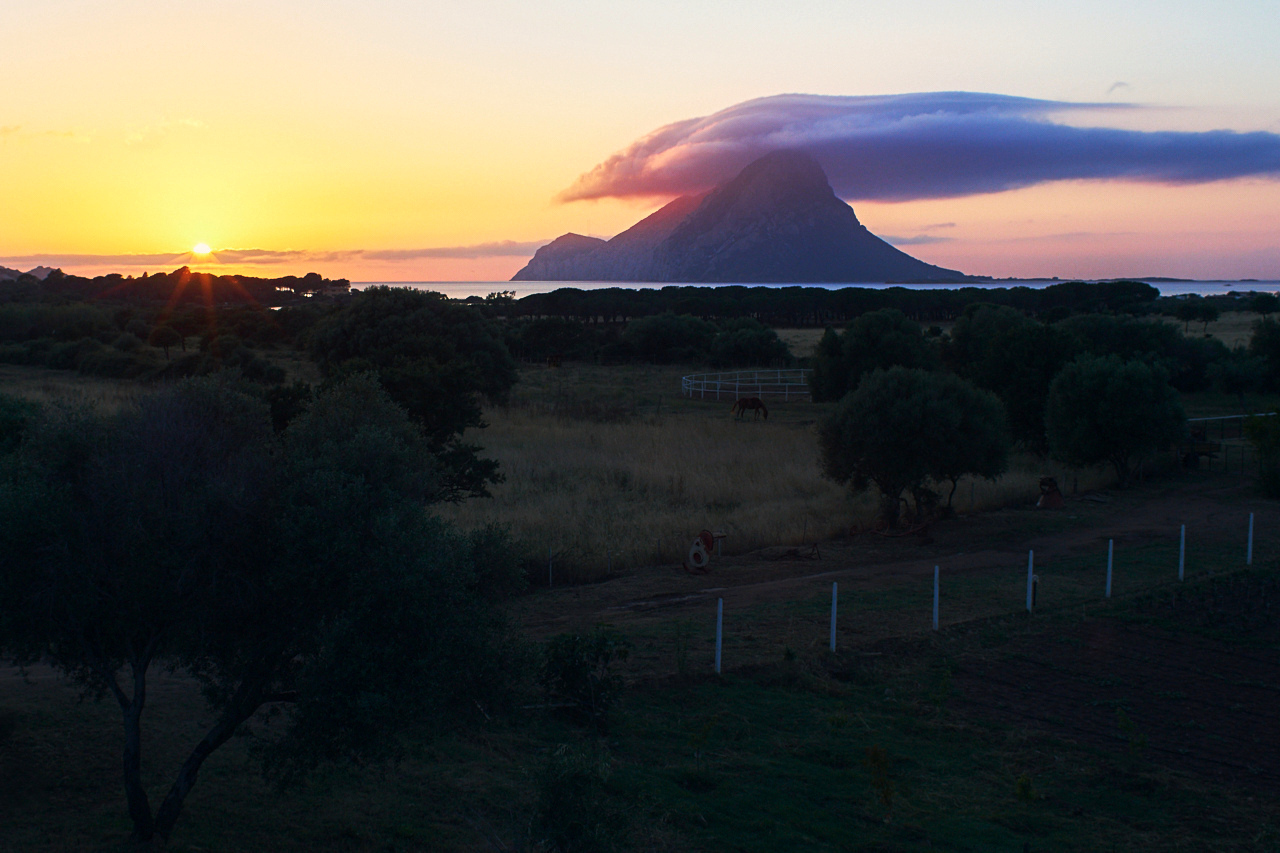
(863, 750)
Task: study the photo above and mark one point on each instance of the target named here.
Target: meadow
(609, 469)
(1001, 731)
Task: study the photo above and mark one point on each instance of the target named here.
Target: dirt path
(1213, 506)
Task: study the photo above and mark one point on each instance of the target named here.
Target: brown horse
(754, 403)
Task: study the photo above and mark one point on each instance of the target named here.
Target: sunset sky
(400, 140)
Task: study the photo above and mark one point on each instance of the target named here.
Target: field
(1135, 723)
(609, 468)
(1130, 724)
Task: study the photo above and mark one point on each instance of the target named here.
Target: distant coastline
(1166, 286)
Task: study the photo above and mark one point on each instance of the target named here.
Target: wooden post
(833, 616)
(1110, 551)
(1031, 560)
(719, 630)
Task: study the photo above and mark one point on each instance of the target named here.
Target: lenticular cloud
(926, 145)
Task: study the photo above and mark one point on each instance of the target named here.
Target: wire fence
(1219, 444)
(785, 385)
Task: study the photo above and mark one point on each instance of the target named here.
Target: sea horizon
(1166, 286)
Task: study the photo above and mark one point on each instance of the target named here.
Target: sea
(463, 289)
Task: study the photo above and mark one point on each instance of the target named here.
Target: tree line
(799, 306)
(917, 408)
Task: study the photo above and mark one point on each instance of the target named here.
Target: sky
(402, 140)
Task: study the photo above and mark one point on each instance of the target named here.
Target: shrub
(578, 668)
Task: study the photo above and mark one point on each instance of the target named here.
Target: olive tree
(1106, 410)
(903, 427)
(297, 573)
(877, 339)
(436, 358)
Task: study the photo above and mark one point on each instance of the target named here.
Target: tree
(299, 574)
(1265, 303)
(669, 338)
(903, 426)
(1264, 344)
(1004, 351)
(884, 339)
(436, 359)
(828, 380)
(1263, 432)
(745, 342)
(1103, 409)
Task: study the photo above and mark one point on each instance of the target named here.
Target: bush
(577, 668)
(575, 813)
(16, 415)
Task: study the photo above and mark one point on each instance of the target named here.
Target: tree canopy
(878, 339)
(1105, 409)
(298, 572)
(436, 358)
(902, 427)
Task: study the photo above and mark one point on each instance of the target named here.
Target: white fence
(765, 384)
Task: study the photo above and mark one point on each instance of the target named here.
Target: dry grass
(1233, 328)
(606, 483)
(43, 385)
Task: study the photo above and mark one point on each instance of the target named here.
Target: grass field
(609, 468)
(879, 747)
(896, 742)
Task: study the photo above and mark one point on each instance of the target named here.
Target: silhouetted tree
(902, 427)
(297, 572)
(876, 340)
(1109, 410)
(435, 358)
(165, 337)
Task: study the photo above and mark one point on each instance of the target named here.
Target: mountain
(777, 221)
(41, 273)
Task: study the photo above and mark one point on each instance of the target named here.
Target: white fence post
(1182, 551)
(833, 616)
(719, 630)
(1031, 558)
(1110, 551)
(935, 598)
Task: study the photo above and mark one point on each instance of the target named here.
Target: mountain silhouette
(777, 221)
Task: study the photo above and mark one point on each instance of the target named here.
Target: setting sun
(200, 249)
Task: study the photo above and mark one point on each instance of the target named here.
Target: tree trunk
(135, 793)
(167, 814)
(889, 508)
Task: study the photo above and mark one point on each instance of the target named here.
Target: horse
(754, 403)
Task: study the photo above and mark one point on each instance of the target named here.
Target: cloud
(1117, 86)
(918, 240)
(925, 145)
(498, 249)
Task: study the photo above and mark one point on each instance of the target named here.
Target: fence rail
(783, 385)
(1219, 444)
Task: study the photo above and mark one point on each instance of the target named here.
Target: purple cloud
(925, 145)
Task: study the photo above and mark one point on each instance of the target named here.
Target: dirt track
(1211, 505)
